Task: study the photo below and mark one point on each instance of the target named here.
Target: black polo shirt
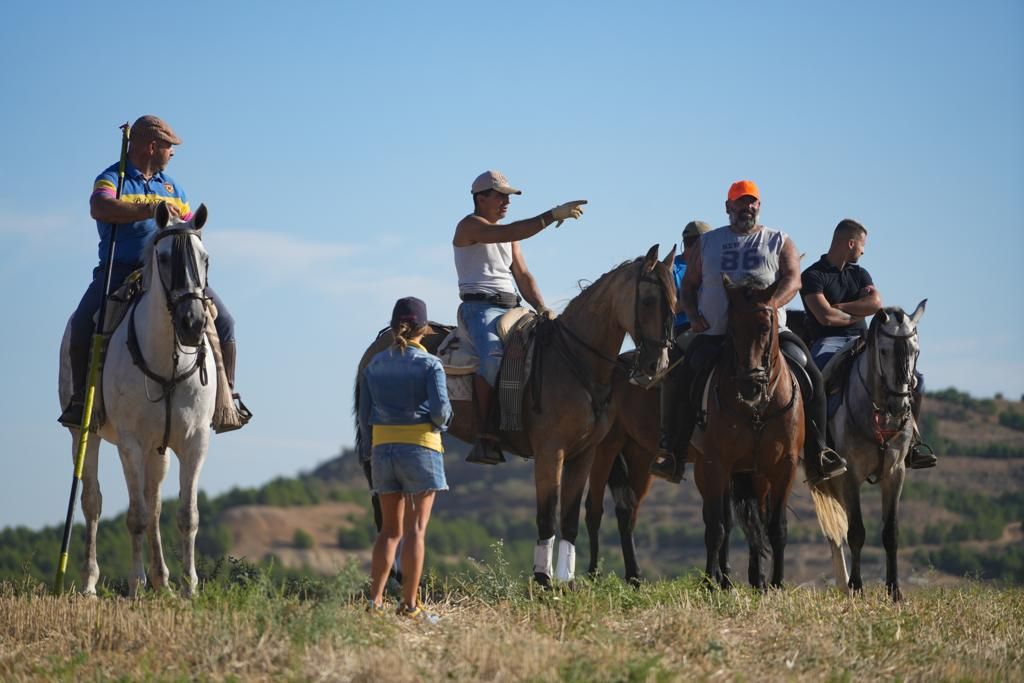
(839, 287)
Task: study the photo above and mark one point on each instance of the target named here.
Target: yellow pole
(95, 353)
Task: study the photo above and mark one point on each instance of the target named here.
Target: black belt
(502, 299)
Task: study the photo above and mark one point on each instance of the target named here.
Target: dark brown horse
(622, 463)
(567, 414)
(753, 440)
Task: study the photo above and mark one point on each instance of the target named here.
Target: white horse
(159, 388)
(874, 430)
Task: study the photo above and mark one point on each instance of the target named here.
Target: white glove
(562, 212)
(546, 313)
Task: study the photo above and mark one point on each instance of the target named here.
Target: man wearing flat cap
(491, 269)
(146, 186)
(744, 250)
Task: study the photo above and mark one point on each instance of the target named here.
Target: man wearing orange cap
(146, 186)
(491, 268)
(743, 250)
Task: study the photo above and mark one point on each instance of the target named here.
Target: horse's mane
(663, 274)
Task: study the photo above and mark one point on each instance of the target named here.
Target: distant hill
(961, 518)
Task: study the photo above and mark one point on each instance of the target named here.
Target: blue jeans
(407, 468)
(823, 349)
(82, 325)
(481, 321)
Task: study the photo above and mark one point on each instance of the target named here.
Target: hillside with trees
(962, 518)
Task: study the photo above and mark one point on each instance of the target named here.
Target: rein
(768, 386)
(575, 366)
(882, 436)
(183, 265)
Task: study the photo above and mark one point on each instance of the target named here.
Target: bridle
(881, 416)
(762, 376)
(184, 272)
(184, 268)
(643, 343)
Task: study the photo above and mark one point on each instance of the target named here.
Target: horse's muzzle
(752, 386)
(190, 322)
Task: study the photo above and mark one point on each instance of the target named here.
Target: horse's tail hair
(830, 509)
(618, 483)
(748, 512)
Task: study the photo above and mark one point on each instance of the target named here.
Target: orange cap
(742, 188)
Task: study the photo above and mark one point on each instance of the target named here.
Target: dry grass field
(495, 627)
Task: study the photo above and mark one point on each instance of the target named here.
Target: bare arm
(825, 313)
(524, 279)
(106, 209)
(688, 292)
(869, 303)
(475, 230)
(789, 275)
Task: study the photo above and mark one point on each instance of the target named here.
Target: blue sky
(334, 144)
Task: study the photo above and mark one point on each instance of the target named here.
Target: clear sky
(334, 144)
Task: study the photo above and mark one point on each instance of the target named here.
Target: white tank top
(485, 268)
(723, 252)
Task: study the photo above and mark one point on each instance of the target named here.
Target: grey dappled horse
(157, 393)
(874, 430)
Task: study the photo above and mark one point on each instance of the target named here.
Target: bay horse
(874, 430)
(622, 462)
(566, 398)
(753, 438)
(156, 395)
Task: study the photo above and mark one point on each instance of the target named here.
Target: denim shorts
(407, 468)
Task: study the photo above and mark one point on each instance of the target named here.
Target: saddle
(836, 372)
(119, 302)
(460, 361)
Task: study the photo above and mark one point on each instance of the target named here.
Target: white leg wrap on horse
(542, 553)
(566, 561)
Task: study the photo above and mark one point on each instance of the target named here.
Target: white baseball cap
(493, 180)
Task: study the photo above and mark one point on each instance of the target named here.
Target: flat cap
(151, 127)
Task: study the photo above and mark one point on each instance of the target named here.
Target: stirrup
(486, 452)
(73, 416)
(241, 417)
(824, 474)
(666, 466)
(921, 456)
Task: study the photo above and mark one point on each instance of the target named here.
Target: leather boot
(486, 450)
(74, 412)
(921, 455)
(229, 355)
(822, 462)
(668, 464)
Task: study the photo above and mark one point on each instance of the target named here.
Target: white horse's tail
(830, 509)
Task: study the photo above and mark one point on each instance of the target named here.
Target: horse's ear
(199, 217)
(919, 311)
(883, 317)
(670, 257)
(162, 215)
(768, 292)
(651, 259)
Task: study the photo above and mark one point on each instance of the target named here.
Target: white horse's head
(177, 261)
(895, 347)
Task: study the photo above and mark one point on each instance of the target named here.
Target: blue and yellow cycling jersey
(131, 237)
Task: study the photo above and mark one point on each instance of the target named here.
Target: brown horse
(565, 411)
(622, 463)
(753, 439)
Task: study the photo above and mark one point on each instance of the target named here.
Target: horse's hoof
(542, 580)
(896, 593)
(634, 581)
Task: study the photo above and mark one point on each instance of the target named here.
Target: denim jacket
(399, 388)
